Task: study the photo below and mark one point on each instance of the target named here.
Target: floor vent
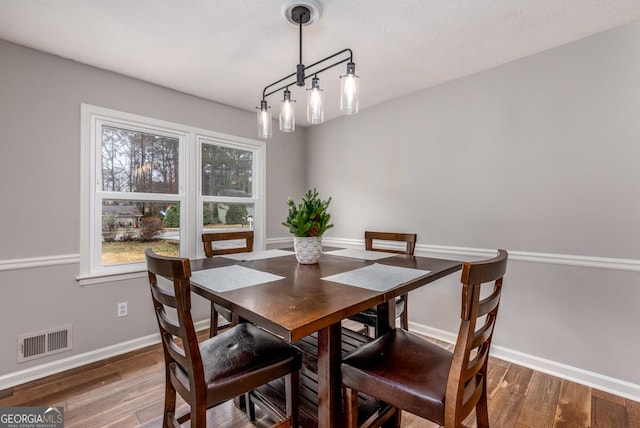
(43, 343)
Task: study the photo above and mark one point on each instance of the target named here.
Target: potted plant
(307, 222)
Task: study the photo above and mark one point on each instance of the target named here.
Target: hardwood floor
(128, 391)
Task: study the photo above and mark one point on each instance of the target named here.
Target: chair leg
(394, 420)
(213, 323)
(405, 313)
(250, 407)
(482, 407)
(198, 416)
(292, 394)
(350, 403)
(371, 331)
(169, 402)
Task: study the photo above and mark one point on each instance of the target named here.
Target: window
(228, 200)
(140, 189)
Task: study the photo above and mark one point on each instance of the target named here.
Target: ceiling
(229, 50)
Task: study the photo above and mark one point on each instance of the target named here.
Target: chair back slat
(167, 323)
(490, 303)
(177, 353)
(408, 238)
(475, 365)
(482, 334)
(472, 393)
(467, 375)
(208, 240)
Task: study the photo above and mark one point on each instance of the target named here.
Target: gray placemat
(257, 255)
(377, 276)
(231, 278)
(360, 254)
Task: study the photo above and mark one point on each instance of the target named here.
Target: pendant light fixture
(264, 121)
(315, 102)
(306, 12)
(287, 113)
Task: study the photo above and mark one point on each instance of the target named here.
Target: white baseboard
(37, 372)
(594, 380)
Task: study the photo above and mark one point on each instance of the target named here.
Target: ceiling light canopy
(302, 13)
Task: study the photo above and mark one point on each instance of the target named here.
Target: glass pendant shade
(349, 91)
(287, 113)
(264, 121)
(315, 103)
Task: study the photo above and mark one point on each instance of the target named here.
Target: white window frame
(189, 194)
(257, 185)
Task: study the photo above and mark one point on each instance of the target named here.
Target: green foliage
(172, 217)
(206, 215)
(108, 222)
(150, 228)
(310, 217)
(236, 214)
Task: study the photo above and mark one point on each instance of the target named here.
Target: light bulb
(315, 103)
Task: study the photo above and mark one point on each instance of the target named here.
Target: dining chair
(409, 373)
(234, 245)
(233, 363)
(369, 317)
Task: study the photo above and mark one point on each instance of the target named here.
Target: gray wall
(40, 181)
(536, 156)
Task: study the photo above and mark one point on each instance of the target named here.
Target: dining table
(272, 290)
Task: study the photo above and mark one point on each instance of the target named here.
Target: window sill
(110, 277)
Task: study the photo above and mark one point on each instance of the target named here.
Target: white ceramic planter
(307, 249)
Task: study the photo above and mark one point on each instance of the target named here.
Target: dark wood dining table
(303, 303)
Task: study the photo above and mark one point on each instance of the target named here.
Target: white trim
(421, 250)
(58, 366)
(111, 277)
(278, 242)
(523, 256)
(582, 261)
(36, 262)
(595, 380)
(574, 374)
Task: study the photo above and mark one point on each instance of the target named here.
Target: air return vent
(43, 343)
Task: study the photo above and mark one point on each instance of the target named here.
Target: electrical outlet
(122, 309)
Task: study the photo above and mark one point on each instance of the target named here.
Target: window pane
(218, 215)
(226, 171)
(134, 161)
(129, 227)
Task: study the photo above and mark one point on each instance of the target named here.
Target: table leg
(329, 377)
(387, 322)
(386, 317)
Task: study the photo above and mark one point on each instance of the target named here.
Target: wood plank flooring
(127, 391)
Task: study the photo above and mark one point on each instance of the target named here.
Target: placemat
(231, 278)
(377, 276)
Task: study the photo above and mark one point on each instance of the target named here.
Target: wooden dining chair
(369, 317)
(409, 373)
(220, 368)
(211, 249)
(211, 239)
